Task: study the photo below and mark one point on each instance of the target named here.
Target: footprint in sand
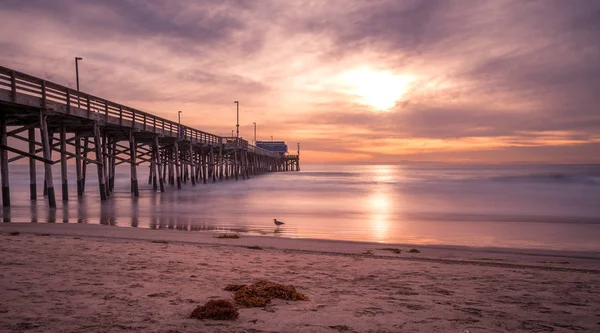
(535, 326)
(371, 312)
(405, 291)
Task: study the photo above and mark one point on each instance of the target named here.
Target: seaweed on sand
(232, 236)
(262, 292)
(392, 249)
(234, 287)
(219, 309)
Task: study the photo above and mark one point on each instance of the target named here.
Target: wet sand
(91, 278)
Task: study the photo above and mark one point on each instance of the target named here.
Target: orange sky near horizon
(367, 82)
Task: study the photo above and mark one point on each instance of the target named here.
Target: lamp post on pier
(179, 124)
(254, 134)
(77, 77)
(77, 70)
(237, 123)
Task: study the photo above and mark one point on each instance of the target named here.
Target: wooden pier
(50, 118)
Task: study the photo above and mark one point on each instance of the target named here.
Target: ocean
(555, 207)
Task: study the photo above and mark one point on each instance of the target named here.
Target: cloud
(177, 20)
(488, 75)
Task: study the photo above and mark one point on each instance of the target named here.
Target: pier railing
(47, 94)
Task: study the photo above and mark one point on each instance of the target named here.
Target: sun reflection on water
(381, 203)
(382, 173)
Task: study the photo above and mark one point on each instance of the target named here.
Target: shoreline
(491, 256)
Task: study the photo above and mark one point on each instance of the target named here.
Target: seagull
(277, 223)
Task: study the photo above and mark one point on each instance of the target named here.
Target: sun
(378, 89)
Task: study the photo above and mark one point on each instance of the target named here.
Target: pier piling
(4, 162)
(78, 170)
(63, 163)
(86, 149)
(100, 163)
(133, 163)
(48, 183)
(32, 171)
(157, 164)
(177, 165)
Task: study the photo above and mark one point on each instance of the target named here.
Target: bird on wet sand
(277, 223)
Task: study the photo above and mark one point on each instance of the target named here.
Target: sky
(376, 81)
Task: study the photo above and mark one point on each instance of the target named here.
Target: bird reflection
(278, 224)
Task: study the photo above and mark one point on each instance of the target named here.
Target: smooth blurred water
(523, 206)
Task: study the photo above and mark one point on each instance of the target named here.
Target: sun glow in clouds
(379, 89)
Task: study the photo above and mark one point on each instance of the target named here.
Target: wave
(555, 178)
(359, 180)
(584, 175)
(327, 174)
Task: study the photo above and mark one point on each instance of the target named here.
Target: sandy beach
(91, 278)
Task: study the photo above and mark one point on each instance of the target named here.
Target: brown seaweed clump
(234, 287)
(262, 292)
(392, 249)
(233, 236)
(219, 309)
